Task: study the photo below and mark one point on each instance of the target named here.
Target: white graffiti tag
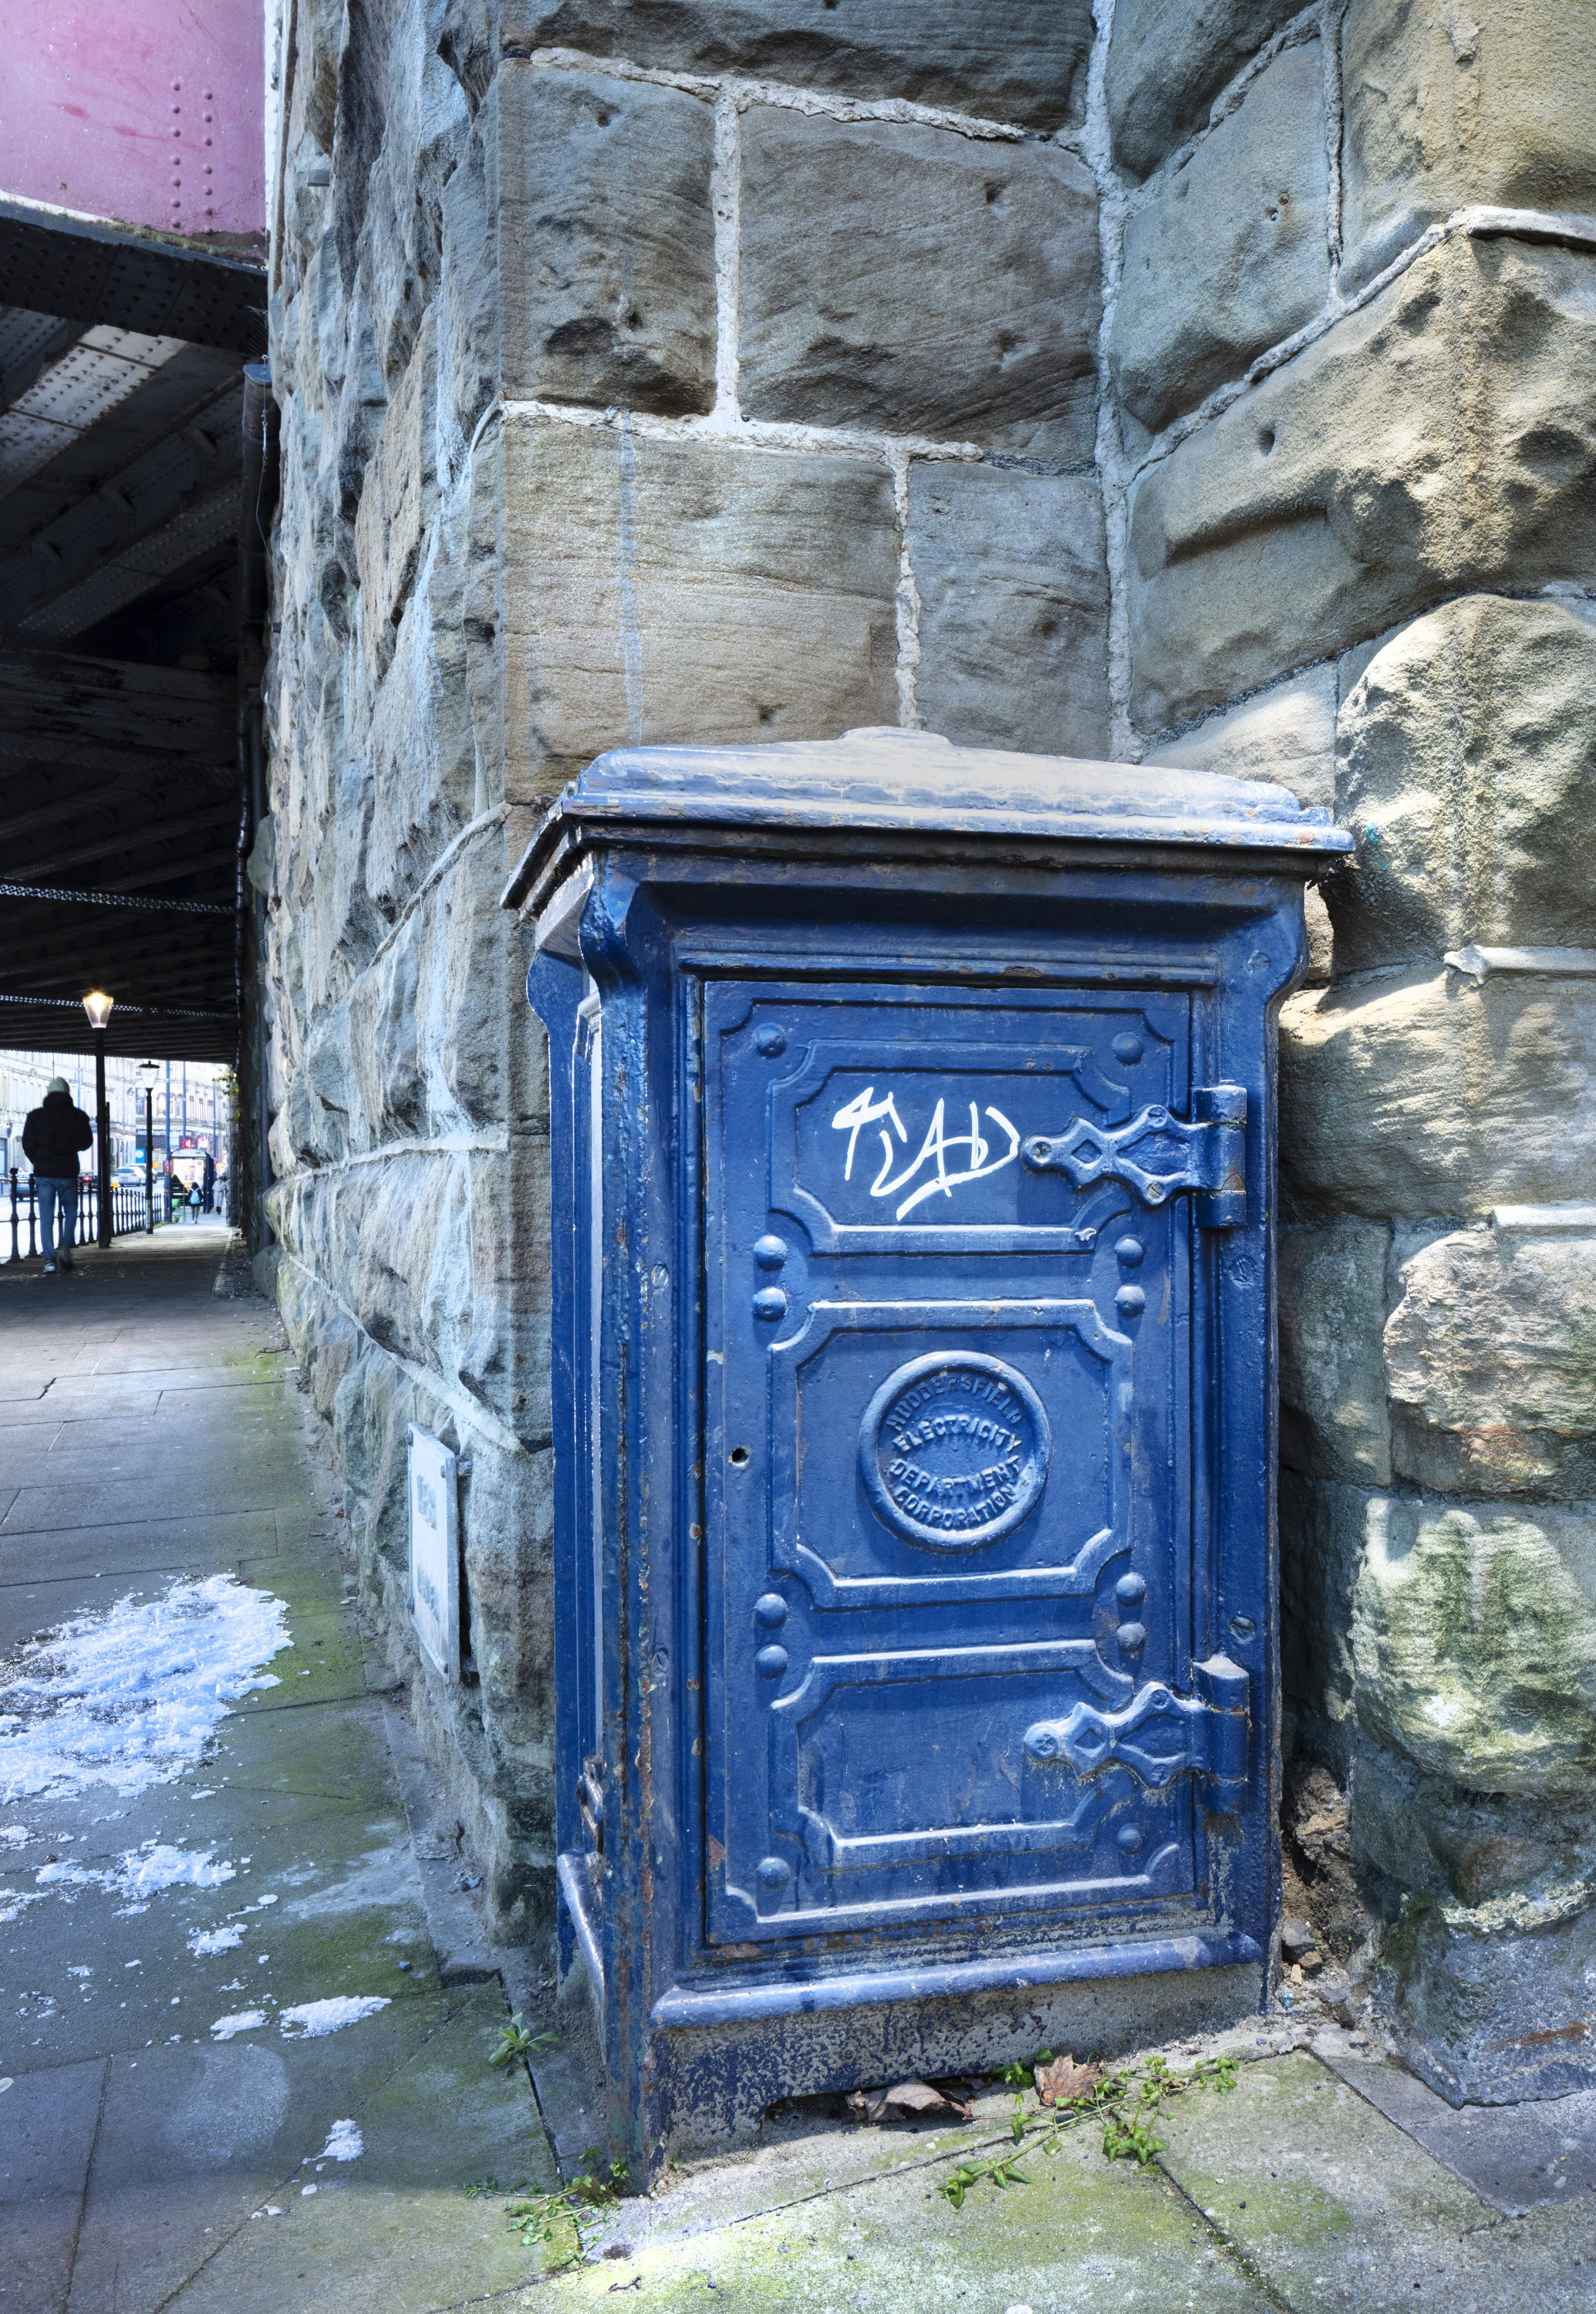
(935, 1150)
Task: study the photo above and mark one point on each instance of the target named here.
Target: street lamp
(149, 1071)
(97, 1006)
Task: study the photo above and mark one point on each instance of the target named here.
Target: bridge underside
(124, 547)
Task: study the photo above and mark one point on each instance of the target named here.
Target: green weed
(516, 2039)
(1126, 2104)
(555, 2222)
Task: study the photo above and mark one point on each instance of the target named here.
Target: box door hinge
(1161, 1735)
(1207, 1156)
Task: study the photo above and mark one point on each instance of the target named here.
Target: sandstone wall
(646, 373)
(1208, 383)
(1352, 505)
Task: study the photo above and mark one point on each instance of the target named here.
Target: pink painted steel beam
(142, 112)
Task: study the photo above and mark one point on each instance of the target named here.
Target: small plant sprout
(516, 2039)
(1126, 2104)
(555, 2222)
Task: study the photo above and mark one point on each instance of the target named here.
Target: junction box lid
(894, 784)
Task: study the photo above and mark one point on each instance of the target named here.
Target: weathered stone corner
(1405, 455)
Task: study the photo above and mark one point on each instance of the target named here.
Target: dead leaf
(907, 2101)
(1057, 2083)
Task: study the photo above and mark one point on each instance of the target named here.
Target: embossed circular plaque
(953, 1450)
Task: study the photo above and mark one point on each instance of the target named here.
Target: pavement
(151, 1437)
(246, 2009)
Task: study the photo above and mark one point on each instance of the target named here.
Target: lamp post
(97, 1006)
(149, 1071)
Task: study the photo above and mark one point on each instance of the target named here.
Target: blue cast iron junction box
(912, 1117)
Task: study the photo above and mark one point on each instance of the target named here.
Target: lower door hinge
(1161, 1735)
(1160, 1156)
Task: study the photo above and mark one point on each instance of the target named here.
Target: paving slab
(111, 1503)
(242, 1453)
(193, 2139)
(1085, 2236)
(37, 1604)
(318, 1904)
(199, 1545)
(1517, 2157)
(47, 2123)
(17, 1410)
(29, 1435)
(323, 1661)
(1335, 2207)
(397, 2232)
(203, 2036)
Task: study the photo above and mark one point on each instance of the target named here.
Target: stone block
(1020, 60)
(1474, 1641)
(509, 1529)
(396, 505)
(1491, 2002)
(1416, 1095)
(606, 240)
(1285, 734)
(1323, 1528)
(1014, 608)
(1446, 107)
(426, 125)
(372, 1407)
(430, 1019)
(390, 1045)
(468, 351)
(661, 590)
(1490, 1356)
(907, 280)
(316, 1120)
(418, 745)
(1321, 940)
(1443, 438)
(357, 417)
(477, 989)
(339, 924)
(1231, 255)
(1333, 1422)
(1467, 772)
(408, 1270)
(1424, 1834)
(479, 652)
(328, 1354)
(1169, 59)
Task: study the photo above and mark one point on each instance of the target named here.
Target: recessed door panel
(946, 1478)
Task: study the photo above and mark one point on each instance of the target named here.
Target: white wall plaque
(434, 1550)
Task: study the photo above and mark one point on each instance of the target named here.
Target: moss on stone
(1474, 1651)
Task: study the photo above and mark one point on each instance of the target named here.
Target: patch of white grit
(344, 2144)
(204, 1941)
(130, 1696)
(243, 2020)
(312, 2018)
(143, 1873)
(308, 2021)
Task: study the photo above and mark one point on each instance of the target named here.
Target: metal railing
(129, 1211)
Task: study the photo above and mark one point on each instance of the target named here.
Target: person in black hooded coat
(55, 1134)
